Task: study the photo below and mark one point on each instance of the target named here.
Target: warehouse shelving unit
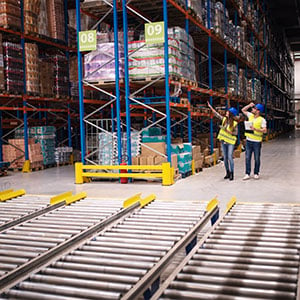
(132, 99)
(22, 110)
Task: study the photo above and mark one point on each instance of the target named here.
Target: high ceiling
(286, 16)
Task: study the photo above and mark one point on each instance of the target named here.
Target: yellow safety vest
(224, 135)
(257, 136)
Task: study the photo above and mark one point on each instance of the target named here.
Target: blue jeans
(253, 147)
(228, 156)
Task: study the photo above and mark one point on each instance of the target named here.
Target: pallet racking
(151, 99)
(25, 109)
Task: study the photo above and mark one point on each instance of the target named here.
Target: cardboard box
(174, 161)
(206, 152)
(135, 160)
(159, 147)
(151, 160)
(199, 163)
(143, 160)
(160, 160)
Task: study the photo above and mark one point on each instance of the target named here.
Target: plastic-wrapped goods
(63, 154)
(2, 86)
(13, 68)
(32, 68)
(149, 60)
(212, 13)
(43, 28)
(99, 65)
(10, 14)
(44, 136)
(108, 147)
(56, 19)
(196, 7)
(249, 53)
(31, 15)
(61, 78)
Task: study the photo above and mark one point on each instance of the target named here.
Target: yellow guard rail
(82, 172)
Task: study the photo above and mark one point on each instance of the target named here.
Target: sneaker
(256, 176)
(246, 177)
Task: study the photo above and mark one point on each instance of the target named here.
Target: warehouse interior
(119, 120)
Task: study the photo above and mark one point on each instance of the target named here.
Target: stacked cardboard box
(198, 157)
(13, 68)
(56, 19)
(31, 14)
(184, 156)
(10, 14)
(43, 28)
(44, 136)
(2, 86)
(15, 153)
(46, 68)
(61, 79)
(32, 68)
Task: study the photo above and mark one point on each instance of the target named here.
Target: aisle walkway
(280, 180)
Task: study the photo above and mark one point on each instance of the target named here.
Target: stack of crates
(184, 157)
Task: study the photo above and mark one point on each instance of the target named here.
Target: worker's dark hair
(229, 120)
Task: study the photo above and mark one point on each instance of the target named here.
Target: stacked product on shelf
(198, 157)
(74, 89)
(10, 14)
(46, 71)
(32, 68)
(13, 68)
(184, 157)
(99, 65)
(149, 60)
(43, 28)
(108, 149)
(31, 15)
(15, 153)
(63, 154)
(44, 136)
(2, 86)
(56, 19)
(61, 72)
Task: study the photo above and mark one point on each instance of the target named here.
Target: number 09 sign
(155, 33)
(87, 40)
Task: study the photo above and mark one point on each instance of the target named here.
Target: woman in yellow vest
(254, 137)
(227, 136)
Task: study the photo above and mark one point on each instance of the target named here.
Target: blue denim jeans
(253, 147)
(228, 156)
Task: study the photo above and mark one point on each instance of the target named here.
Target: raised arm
(245, 109)
(214, 111)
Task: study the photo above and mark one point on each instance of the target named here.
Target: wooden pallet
(198, 170)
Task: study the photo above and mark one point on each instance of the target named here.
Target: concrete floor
(280, 180)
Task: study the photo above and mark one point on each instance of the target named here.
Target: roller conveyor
(12, 211)
(251, 253)
(110, 264)
(27, 241)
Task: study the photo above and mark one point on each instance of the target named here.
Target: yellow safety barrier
(75, 198)
(60, 198)
(147, 200)
(166, 174)
(230, 204)
(193, 167)
(11, 195)
(128, 202)
(26, 166)
(212, 204)
(2, 193)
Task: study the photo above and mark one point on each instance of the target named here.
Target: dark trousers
(253, 147)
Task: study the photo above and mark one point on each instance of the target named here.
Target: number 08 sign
(87, 40)
(155, 33)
